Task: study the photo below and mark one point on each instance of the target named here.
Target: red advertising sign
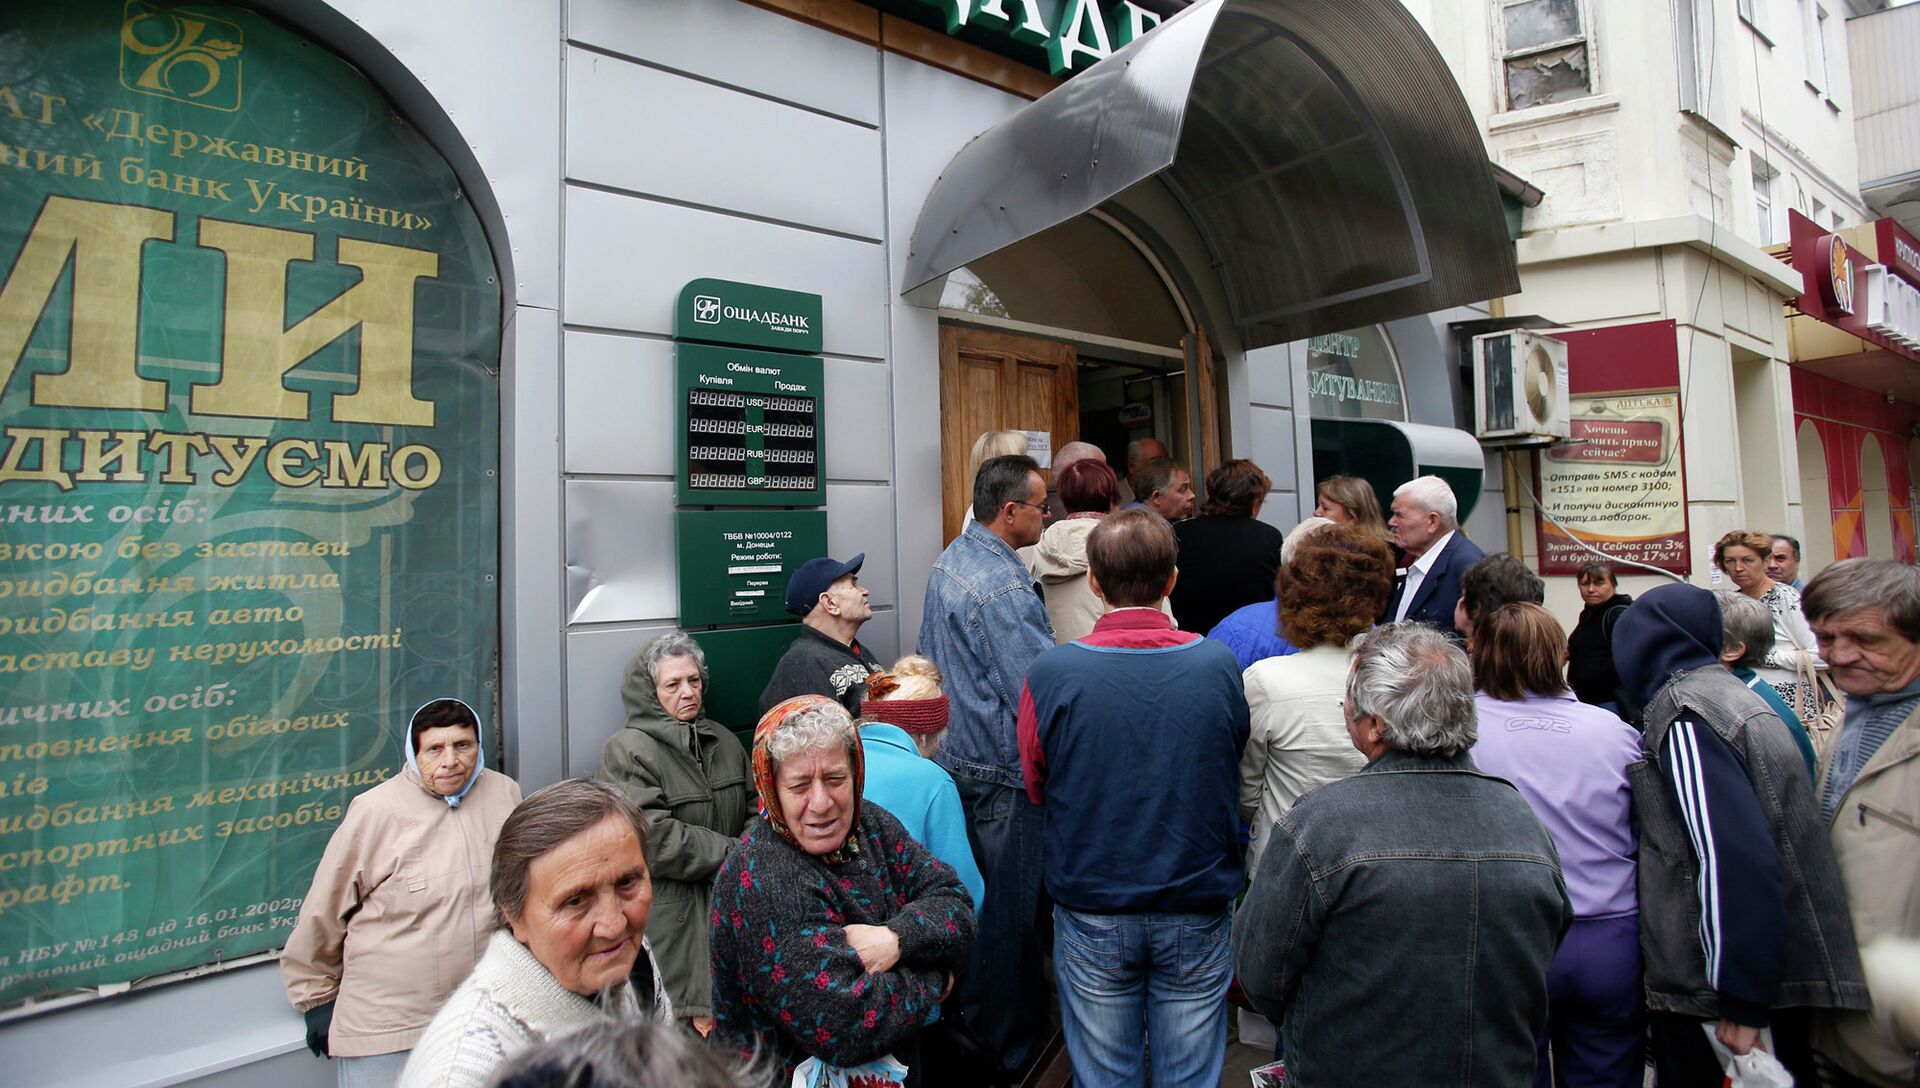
(1850, 291)
(1618, 485)
(1899, 250)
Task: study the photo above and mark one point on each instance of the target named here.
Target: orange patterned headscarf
(763, 782)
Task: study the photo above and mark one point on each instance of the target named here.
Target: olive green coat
(692, 781)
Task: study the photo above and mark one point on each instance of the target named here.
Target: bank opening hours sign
(751, 427)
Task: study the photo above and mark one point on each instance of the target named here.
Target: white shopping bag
(1757, 1068)
(879, 1073)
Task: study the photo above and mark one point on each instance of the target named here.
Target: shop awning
(1322, 151)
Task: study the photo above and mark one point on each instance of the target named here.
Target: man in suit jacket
(1425, 524)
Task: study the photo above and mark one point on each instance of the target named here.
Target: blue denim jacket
(983, 625)
(1401, 924)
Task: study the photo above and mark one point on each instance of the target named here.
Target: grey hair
(816, 729)
(1855, 585)
(667, 647)
(625, 1054)
(1300, 532)
(1432, 493)
(1419, 685)
(1076, 451)
(1748, 622)
(547, 818)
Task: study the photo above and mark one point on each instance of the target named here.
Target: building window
(1753, 13)
(1546, 52)
(1819, 215)
(1763, 176)
(1813, 26)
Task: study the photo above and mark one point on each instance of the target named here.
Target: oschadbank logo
(181, 54)
(710, 309)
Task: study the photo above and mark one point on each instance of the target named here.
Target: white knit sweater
(509, 1003)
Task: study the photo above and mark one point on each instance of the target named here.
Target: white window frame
(1501, 54)
(1764, 177)
(1754, 14)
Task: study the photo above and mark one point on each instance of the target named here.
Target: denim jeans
(1136, 988)
(1003, 992)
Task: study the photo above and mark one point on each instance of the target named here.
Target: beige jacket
(1298, 737)
(1060, 563)
(398, 912)
(1876, 836)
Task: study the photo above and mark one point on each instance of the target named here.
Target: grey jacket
(1401, 925)
(691, 780)
(1820, 967)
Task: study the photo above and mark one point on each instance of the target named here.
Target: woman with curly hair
(1338, 580)
(1742, 556)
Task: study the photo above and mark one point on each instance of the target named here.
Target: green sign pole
(249, 441)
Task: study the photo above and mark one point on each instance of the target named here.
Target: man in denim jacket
(984, 624)
(1402, 920)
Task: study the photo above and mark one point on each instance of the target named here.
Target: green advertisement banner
(249, 429)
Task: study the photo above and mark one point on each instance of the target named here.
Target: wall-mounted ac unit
(1520, 383)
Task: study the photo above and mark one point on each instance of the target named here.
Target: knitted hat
(918, 716)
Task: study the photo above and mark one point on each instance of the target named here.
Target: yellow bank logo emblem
(181, 54)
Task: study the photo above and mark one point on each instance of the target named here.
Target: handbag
(952, 1054)
(1820, 705)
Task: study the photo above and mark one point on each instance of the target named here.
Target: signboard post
(751, 388)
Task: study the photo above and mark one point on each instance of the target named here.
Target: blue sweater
(1252, 633)
(1136, 732)
(921, 795)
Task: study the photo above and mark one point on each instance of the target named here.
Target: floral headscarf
(763, 781)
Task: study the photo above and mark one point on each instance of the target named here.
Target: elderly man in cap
(827, 658)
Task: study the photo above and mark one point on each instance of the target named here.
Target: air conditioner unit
(1521, 383)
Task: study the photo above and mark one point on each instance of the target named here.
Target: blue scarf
(479, 758)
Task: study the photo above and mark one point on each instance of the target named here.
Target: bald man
(1139, 452)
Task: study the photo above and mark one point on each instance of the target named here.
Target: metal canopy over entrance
(1322, 151)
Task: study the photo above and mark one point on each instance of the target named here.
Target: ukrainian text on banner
(1618, 485)
(249, 344)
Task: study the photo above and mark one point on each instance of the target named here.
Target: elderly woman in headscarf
(688, 774)
(835, 935)
(571, 890)
(398, 912)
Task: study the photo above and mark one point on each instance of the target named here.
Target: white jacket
(509, 1003)
(1298, 738)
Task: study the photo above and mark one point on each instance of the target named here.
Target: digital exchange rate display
(750, 427)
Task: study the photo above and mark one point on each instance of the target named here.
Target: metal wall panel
(1269, 379)
(1272, 448)
(859, 421)
(619, 400)
(707, 145)
(1886, 86)
(596, 667)
(628, 257)
(930, 115)
(860, 519)
(620, 559)
(532, 547)
(731, 43)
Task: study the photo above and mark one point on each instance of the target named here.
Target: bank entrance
(1076, 334)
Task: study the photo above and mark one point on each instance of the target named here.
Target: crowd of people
(1143, 752)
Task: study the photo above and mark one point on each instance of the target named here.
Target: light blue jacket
(984, 624)
(922, 796)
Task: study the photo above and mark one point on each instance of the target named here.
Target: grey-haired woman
(688, 774)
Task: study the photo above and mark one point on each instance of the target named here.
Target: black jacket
(817, 665)
(1226, 562)
(1590, 652)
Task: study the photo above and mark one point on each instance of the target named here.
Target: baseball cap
(813, 578)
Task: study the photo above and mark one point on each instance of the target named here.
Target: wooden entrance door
(993, 381)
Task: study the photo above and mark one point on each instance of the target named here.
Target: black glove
(319, 1022)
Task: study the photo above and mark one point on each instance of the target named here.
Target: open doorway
(1076, 334)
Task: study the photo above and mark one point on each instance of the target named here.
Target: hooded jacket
(1060, 562)
(691, 780)
(1741, 905)
(398, 912)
